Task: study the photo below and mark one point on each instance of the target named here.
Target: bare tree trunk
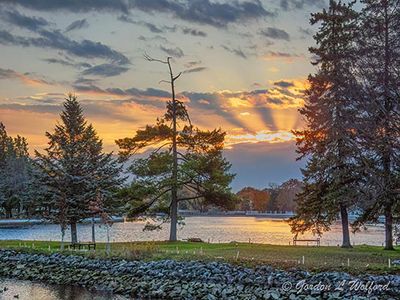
(93, 231)
(74, 233)
(62, 238)
(108, 246)
(387, 150)
(388, 228)
(345, 226)
(174, 191)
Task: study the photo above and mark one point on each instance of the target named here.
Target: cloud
(54, 39)
(150, 93)
(284, 84)
(73, 6)
(31, 23)
(306, 32)
(193, 31)
(195, 70)
(239, 52)
(191, 64)
(26, 78)
(263, 163)
(206, 12)
(300, 4)
(78, 24)
(174, 52)
(218, 14)
(105, 70)
(276, 55)
(275, 33)
(67, 63)
(152, 27)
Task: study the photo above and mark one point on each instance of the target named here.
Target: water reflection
(213, 229)
(27, 290)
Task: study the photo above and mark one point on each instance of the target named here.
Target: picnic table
(317, 241)
(82, 246)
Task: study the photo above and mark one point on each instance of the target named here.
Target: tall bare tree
(186, 163)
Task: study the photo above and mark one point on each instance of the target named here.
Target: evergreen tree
(75, 171)
(329, 139)
(15, 172)
(187, 163)
(379, 71)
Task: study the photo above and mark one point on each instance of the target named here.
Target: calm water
(27, 290)
(213, 229)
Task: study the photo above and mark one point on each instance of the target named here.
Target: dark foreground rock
(169, 279)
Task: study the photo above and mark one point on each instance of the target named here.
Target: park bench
(80, 246)
(317, 241)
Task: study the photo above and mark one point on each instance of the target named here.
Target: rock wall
(168, 279)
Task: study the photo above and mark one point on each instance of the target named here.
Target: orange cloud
(26, 78)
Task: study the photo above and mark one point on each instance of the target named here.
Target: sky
(244, 67)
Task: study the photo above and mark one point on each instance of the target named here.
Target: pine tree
(329, 139)
(75, 171)
(186, 163)
(379, 71)
(15, 172)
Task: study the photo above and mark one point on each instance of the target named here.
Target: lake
(27, 290)
(215, 229)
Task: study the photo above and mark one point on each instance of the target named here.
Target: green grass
(371, 259)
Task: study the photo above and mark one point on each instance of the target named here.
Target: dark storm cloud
(206, 12)
(174, 52)
(56, 40)
(105, 70)
(275, 33)
(30, 23)
(78, 24)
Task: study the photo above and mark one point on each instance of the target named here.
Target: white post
(348, 262)
(237, 255)
(108, 246)
(389, 263)
(303, 260)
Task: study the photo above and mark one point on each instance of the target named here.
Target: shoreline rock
(169, 279)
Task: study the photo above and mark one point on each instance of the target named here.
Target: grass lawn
(361, 259)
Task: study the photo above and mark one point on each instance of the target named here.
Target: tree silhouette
(185, 163)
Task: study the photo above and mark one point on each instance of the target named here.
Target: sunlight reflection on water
(27, 290)
(215, 229)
